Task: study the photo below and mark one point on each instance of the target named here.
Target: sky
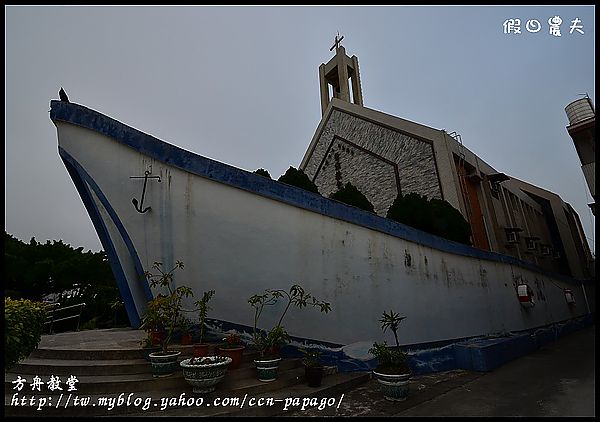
(240, 85)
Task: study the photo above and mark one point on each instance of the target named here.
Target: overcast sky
(240, 85)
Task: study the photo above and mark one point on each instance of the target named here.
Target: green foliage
(277, 336)
(165, 308)
(297, 177)
(391, 321)
(263, 172)
(434, 216)
(33, 270)
(203, 309)
(391, 360)
(23, 327)
(449, 223)
(185, 324)
(349, 194)
(311, 358)
(232, 341)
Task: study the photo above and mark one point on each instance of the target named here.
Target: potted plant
(153, 326)
(201, 349)
(167, 308)
(269, 344)
(148, 347)
(185, 324)
(204, 373)
(313, 368)
(233, 348)
(393, 372)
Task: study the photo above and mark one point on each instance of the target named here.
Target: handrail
(51, 320)
(68, 307)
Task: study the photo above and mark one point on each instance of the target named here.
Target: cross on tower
(337, 42)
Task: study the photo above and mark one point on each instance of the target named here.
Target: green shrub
(23, 327)
(449, 223)
(263, 172)
(349, 194)
(297, 177)
(434, 216)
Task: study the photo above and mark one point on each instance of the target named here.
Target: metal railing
(55, 308)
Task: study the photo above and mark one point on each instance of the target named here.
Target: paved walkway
(105, 339)
(556, 380)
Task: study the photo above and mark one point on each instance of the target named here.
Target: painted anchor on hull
(146, 176)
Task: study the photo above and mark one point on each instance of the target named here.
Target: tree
(263, 172)
(297, 177)
(349, 194)
(33, 270)
(449, 223)
(412, 210)
(434, 216)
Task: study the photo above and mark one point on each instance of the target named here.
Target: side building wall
(383, 156)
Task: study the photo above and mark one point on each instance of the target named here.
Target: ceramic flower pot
(266, 369)
(151, 349)
(393, 387)
(186, 339)
(201, 349)
(314, 375)
(164, 365)
(234, 353)
(204, 376)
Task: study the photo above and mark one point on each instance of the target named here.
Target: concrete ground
(556, 380)
(102, 339)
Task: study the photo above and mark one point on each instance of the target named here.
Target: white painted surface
(240, 243)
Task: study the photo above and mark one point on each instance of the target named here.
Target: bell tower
(336, 73)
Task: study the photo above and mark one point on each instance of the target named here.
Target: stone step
(109, 364)
(230, 387)
(136, 382)
(290, 384)
(54, 366)
(101, 354)
(332, 388)
(118, 354)
(47, 367)
(273, 402)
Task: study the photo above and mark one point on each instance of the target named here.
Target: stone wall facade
(379, 161)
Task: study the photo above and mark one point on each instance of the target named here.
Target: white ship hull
(240, 233)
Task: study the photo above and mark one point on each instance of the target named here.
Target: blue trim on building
(223, 173)
(477, 353)
(83, 181)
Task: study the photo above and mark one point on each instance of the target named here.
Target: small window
(495, 189)
(512, 237)
(546, 250)
(530, 243)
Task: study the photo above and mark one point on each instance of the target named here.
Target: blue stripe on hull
(83, 182)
